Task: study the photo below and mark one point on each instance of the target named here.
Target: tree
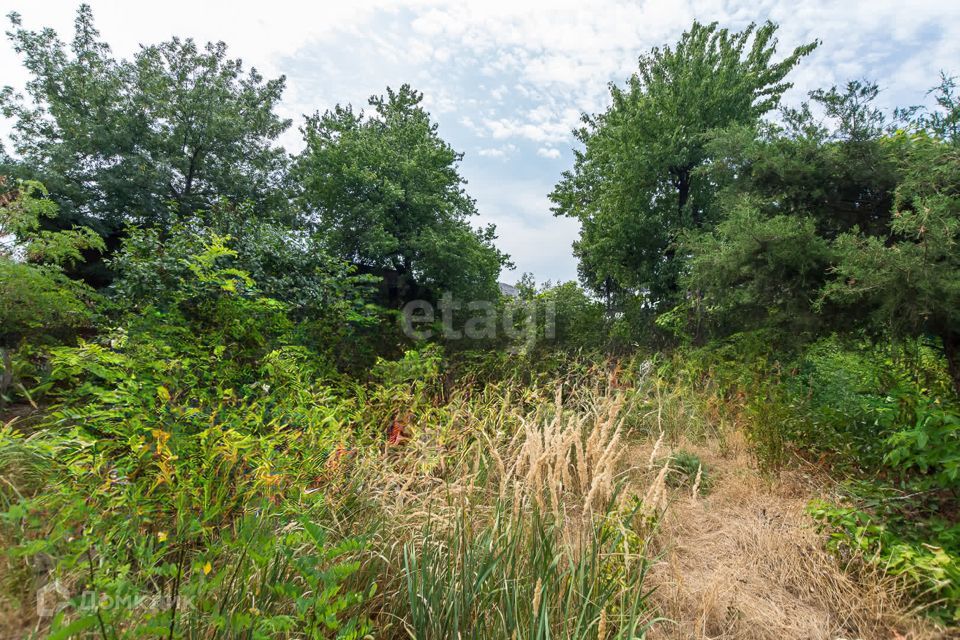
(851, 228)
(785, 192)
(164, 134)
(756, 270)
(579, 320)
(834, 168)
(911, 280)
(635, 185)
(385, 190)
(287, 265)
(22, 212)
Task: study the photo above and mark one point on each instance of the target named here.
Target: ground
(743, 561)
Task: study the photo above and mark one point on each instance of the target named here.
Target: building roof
(508, 290)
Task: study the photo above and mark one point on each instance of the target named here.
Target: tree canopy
(634, 185)
(385, 190)
(164, 134)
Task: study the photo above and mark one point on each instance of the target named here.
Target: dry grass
(573, 455)
(506, 458)
(744, 562)
(564, 456)
(741, 562)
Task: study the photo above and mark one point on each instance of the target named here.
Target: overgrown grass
(515, 577)
(882, 421)
(437, 500)
(301, 509)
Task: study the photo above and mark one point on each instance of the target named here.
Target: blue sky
(507, 80)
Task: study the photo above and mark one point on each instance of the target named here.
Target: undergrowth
(171, 498)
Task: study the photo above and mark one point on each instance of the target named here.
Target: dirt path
(743, 561)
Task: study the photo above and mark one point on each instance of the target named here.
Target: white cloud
(549, 131)
(537, 242)
(497, 152)
(548, 152)
(498, 93)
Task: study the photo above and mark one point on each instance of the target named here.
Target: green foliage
(238, 484)
(834, 168)
(415, 368)
(687, 470)
(387, 192)
(926, 443)
(177, 123)
(153, 459)
(840, 227)
(932, 570)
(578, 321)
(511, 578)
(274, 275)
(756, 271)
(787, 192)
(142, 140)
(40, 305)
(769, 421)
(838, 389)
(634, 188)
(911, 281)
(22, 213)
(882, 415)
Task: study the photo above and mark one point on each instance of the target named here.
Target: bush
(932, 570)
(687, 470)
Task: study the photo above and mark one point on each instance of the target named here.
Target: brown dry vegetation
(744, 562)
(740, 561)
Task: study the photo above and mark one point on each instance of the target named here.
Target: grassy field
(599, 500)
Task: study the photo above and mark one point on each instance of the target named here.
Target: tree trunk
(188, 182)
(6, 378)
(951, 350)
(683, 191)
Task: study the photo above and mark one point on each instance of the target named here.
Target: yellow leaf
(163, 394)
(162, 536)
(207, 568)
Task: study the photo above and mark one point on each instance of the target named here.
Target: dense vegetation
(215, 421)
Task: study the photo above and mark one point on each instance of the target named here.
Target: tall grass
(529, 537)
(515, 578)
(502, 509)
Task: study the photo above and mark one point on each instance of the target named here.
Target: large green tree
(635, 185)
(385, 190)
(163, 134)
(786, 191)
(910, 279)
(826, 159)
(852, 227)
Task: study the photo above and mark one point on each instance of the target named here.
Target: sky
(507, 80)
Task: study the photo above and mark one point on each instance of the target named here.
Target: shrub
(687, 470)
(933, 570)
